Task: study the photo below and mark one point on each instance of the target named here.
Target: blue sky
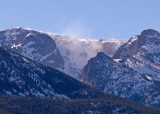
(95, 19)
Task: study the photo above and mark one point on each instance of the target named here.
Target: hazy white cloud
(81, 50)
(76, 28)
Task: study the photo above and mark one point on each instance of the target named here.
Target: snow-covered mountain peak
(64, 53)
(33, 44)
(116, 78)
(101, 55)
(133, 38)
(77, 52)
(147, 42)
(14, 28)
(150, 32)
(143, 53)
(22, 29)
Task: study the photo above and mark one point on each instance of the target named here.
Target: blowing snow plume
(77, 52)
(76, 29)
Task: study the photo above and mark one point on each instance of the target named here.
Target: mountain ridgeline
(44, 89)
(20, 76)
(133, 71)
(63, 53)
(36, 66)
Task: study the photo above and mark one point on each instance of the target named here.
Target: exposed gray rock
(32, 44)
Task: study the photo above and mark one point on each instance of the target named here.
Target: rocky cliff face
(20, 76)
(64, 53)
(32, 44)
(133, 72)
(142, 52)
(77, 52)
(144, 46)
(112, 77)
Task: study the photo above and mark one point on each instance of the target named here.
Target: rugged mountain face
(32, 44)
(77, 52)
(64, 53)
(24, 77)
(20, 76)
(133, 70)
(145, 50)
(113, 77)
(145, 46)
(141, 66)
